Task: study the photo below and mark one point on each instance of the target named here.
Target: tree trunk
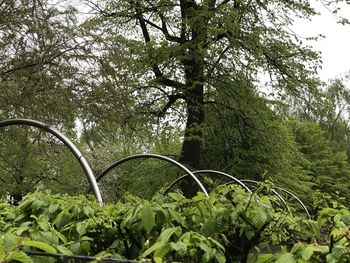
(193, 61)
(191, 147)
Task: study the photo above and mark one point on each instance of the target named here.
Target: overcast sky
(335, 48)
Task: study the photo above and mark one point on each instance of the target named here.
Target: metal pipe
(273, 191)
(297, 198)
(154, 156)
(77, 154)
(207, 172)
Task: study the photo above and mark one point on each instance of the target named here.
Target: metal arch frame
(207, 172)
(287, 192)
(77, 154)
(273, 191)
(154, 156)
(297, 198)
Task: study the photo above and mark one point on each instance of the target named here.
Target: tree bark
(193, 137)
(193, 62)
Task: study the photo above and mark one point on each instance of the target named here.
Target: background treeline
(179, 78)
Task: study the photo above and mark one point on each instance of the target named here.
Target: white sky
(335, 47)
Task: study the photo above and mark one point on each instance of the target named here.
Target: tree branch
(172, 99)
(164, 29)
(43, 62)
(223, 3)
(160, 79)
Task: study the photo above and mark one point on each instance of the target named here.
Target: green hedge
(230, 226)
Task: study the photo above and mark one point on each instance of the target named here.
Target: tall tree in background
(182, 50)
(38, 80)
(37, 50)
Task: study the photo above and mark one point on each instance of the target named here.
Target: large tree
(177, 52)
(39, 55)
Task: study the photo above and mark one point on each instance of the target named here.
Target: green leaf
(176, 216)
(297, 247)
(220, 257)
(258, 216)
(307, 253)
(209, 227)
(153, 248)
(2, 251)
(81, 228)
(162, 251)
(37, 204)
(53, 208)
(176, 196)
(88, 211)
(147, 218)
(23, 228)
(62, 219)
(59, 235)
(265, 258)
(64, 250)
(85, 246)
(178, 246)
(285, 258)
(40, 245)
(167, 233)
(219, 245)
(19, 256)
(10, 242)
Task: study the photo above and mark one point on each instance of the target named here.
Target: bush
(232, 225)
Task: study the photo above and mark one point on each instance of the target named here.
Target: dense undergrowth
(230, 226)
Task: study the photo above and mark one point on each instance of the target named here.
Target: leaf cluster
(231, 225)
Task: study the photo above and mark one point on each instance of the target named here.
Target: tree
(30, 159)
(39, 73)
(181, 50)
(37, 49)
(327, 165)
(246, 138)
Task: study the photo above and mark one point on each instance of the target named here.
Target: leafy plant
(231, 225)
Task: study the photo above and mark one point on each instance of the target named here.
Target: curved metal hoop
(282, 199)
(297, 198)
(207, 172)
(82, 161)
(154, 156)
(273, 191)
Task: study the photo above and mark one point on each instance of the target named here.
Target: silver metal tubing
(199, 172)
(287, 192)
(293, 195)
(82, 161)
(154, 156)
(273, 191)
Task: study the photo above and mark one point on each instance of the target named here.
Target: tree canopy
(215, 84)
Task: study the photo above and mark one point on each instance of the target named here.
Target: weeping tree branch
(50, 60)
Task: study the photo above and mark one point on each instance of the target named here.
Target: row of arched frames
(93, 181)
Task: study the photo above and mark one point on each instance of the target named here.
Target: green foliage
(177, 56)
(246, 138)
(166, 228)
(31, 159)
(38, 80)
(327, 165)
(230, 226)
